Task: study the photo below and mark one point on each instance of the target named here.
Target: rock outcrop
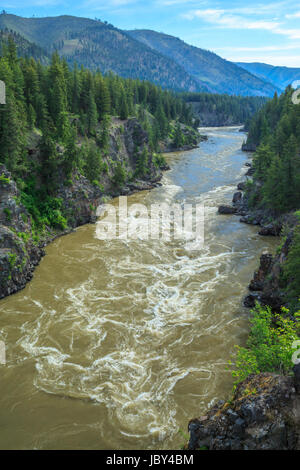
(264, 414)
(265, 285)
(249, 147)
(20, 247)
(227, 209)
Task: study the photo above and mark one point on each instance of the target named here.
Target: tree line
(275, 131)
(226, 109)
(68, 111)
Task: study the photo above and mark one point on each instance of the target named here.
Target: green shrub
(119, 177)
(44, 210)
(269, 346)
(7, 212)
(159, 160)
(12, 258)
(4, 179)
(291, 268)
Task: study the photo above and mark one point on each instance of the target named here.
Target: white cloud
(225, 19)
(292, 16)
(258, 49)
(222, 18)
(291, 33)
(97, 5)
(29, 3)
(284, 60)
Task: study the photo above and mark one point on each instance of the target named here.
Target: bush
(119, 177)
(43, 210)
(159, 160)
(291, 269)
(269, 346)
(4, 179)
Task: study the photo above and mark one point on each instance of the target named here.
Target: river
(117, 344)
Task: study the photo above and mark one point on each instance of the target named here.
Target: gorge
(121, 343)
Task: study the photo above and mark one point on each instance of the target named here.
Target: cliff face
(265, 410)
(264, 414)
(20, 247)
(18, 253)
(265, 286)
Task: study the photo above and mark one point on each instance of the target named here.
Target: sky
(247, 31)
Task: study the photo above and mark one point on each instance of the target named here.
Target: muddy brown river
(117, 344)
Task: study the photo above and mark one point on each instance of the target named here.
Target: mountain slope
(280, 77)
(25, 48)
(97, 45)
(146, 55)
(209, 69)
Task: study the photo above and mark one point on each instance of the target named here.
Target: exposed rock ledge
(263, 415)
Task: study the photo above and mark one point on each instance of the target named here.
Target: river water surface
(117, 344)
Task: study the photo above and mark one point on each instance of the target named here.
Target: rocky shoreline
(21, 249)
(264, 286)
(262, 415)
(264, 411)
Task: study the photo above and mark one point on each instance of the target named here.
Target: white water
(118, 344)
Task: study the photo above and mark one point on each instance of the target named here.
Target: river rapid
(118, 344)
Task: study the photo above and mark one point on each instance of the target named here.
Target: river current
(118, 344)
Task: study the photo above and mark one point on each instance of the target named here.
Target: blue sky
(247, 31)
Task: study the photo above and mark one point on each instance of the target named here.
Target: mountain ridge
(99, 45)
(280, 76)
(217, 74)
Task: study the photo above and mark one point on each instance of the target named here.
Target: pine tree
(92, 116)
(102, 97)
(123, 106)
(72, 153)
(178, 136)
(93, 163)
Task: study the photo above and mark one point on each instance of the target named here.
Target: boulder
(237, 197)
(226, 209)
(250, 300)
(263, 414)
(271, 229)
(247, 219)
(250, 172)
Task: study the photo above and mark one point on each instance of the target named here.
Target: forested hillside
(24, 48)
(222, 110)
(280, 77)
(275, 131)
(164, 60)
(101, 46)
(66, 115)
(274, 190)
(68, 139)
(209, 69)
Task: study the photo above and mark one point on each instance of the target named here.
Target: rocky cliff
(264, 414)
(21, 248)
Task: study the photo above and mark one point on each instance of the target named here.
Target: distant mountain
(146, 55)
(25, 48)
(217, 74)
(97, 45)
(279, 76)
